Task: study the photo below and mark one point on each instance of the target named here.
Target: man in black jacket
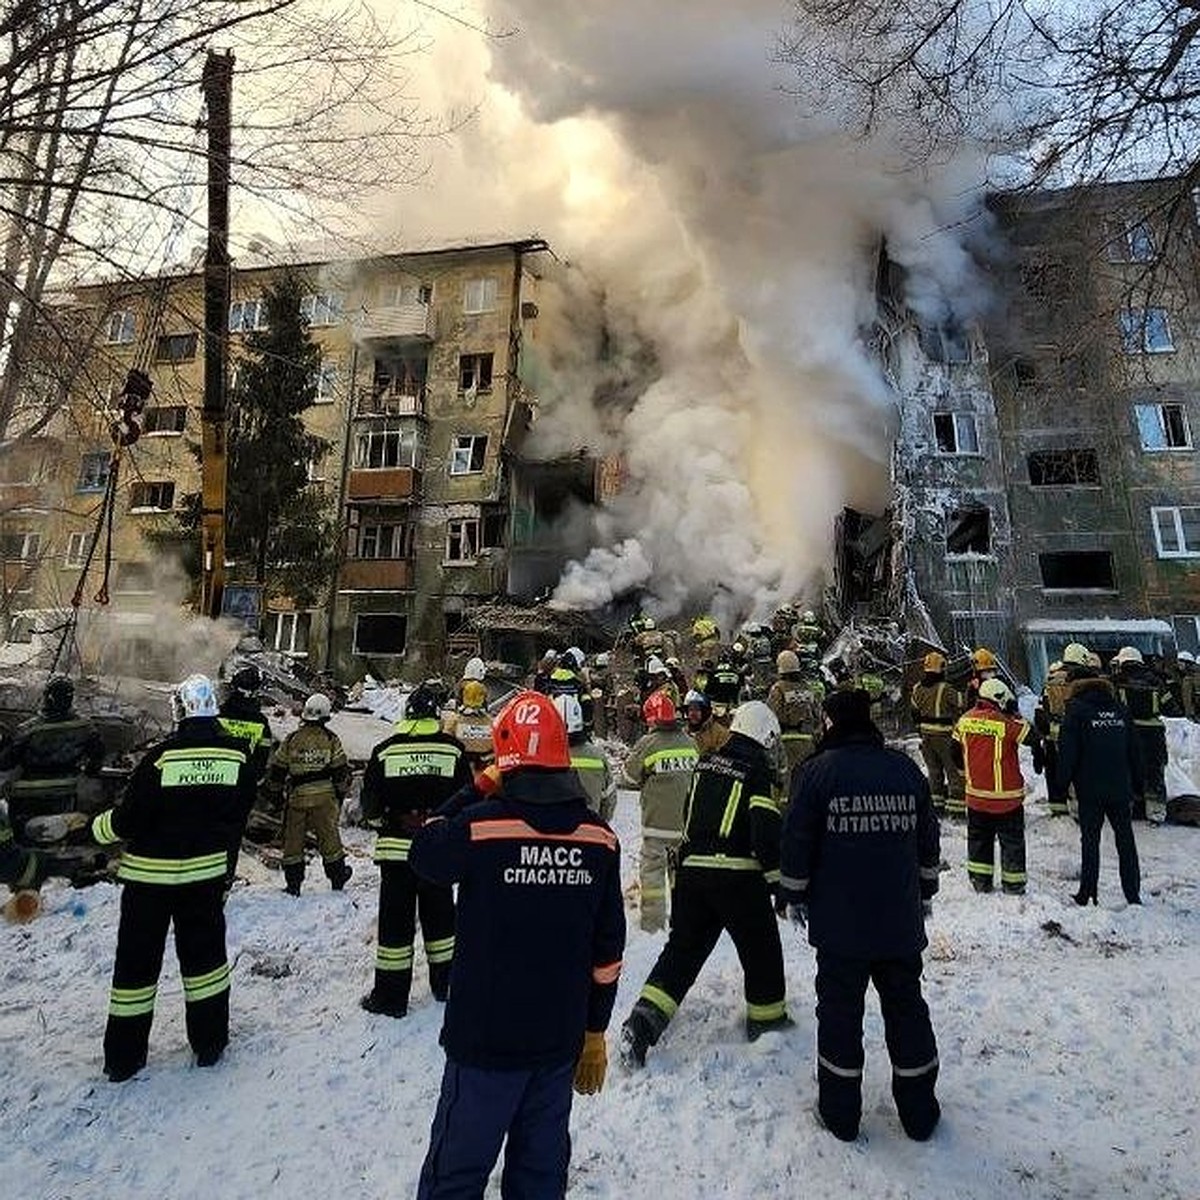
(541, 930)
(860, 862)
(728, 873)
(1098, 753)
(186, 803)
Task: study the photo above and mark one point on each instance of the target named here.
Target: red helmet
(528, 732)
(659, 709)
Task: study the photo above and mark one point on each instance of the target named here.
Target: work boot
(293, 876)
(373, 1004)
(641, 1030)
(209, 1056)
(1083, 898)
(119, 1072)
(338, 872)
(755, 1029)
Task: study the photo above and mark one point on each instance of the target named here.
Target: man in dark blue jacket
(860, 862)
(541, 930)
(1098, 752)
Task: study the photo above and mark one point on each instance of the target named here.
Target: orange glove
(592, 1064)
(488, 780)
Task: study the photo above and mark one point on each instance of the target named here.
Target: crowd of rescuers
(790, 806)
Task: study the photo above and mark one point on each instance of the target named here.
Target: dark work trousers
(476, 1110)
(984, 829)
(706, 901)
(1056, 794)
(1152, 747)
(841, 993)
(147, 911)
(402, 895)
(945, 778)
(1092, 811)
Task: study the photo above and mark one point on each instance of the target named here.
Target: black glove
(1039, 758)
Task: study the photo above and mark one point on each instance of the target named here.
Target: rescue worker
(408, 775)
(474, 672)
(603, 695)
(310, 772)
(706, 638)
(543, 670)
(725, 687)
(660, 767)
(648, 639)
(1098, 755)
(242, 717)
(798, 710)
(658, 678)
(782, 622)
(936, 706)
(808, 630)
(541, 933)
(703, 728)
(987, 740)
(727, 877)
(1142, 691)
(587, 759)
(471, 724)
(185, 804)
(1187, 674)
(860, 870)
(678, 678)
(984, 666)
(1047, 720)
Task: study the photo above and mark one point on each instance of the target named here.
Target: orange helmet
(528, 732)
(659, 709)
(984, 660)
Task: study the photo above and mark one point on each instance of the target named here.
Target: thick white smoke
(655, 145)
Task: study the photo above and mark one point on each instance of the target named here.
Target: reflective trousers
(984, 829)
(657, 876)
(402, 896)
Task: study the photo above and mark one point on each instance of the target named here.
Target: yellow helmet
(933, 663)
(474, 694)
(984, 660)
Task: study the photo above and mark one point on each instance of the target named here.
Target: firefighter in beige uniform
(471, 724)
(660, 767)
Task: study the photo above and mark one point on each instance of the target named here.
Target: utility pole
(217, 86)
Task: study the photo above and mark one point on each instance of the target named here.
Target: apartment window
(380, 633)
(475, 372)
(314, 468)
(287, 632)
(176, 347)
(462, 540)
(1064, 468)
(389, 540)
(1130, 241)
(165, 419)
(400, 376)
(247, 316)
(494, 528)
(321, 308)
(1163, 426)
(78, 546)
(156, 496)
(956, 433)
(968, 532)
(1145, 331)
(1025, 372)
(1177, 531)
(1077, 571)
(120, 329)
(19, 545)
(403, 295)
(467, 453)
(1187, 633)
(93, 472)
(134, 577)
(479, 295)
(326, 379)
(390, 445)
(945, 343)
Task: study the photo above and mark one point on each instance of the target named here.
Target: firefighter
(603, 717)
(311, 772)
(242, 717)
(984, 666)
(782, 622)
(860, 869)
(808, 630)
(725, 686)
(543, 670)
(471, 724)
(1098, 755)
(660, 767)
(185, 804)
(1141, 690)
(648, 639)
(1187, 675)
(474, 672)
(1047, 720)
(797, 708)
(728, 875)
(587, 759)
(657, 677)
(541, 931)
(703, 728)
(987, 740)
(936, 706)
(409, 775)
(706, 638)
(678, 678)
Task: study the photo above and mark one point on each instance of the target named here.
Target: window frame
(488, 293)
(191, 340)
(955, 416)
(402, 537)
(125, 322)
(97, 456)
(467, 442)
(31, 545)
(463, 523)
(406, 431)
(1176, 511)
(1136, 331)
(134, 507)
(160, 408)
(963, 512)
(1112, 590)
(1162, 406)
(77, 558)
(1076, 452)
(358, 617)
(327, 377)
(280, 619)
(243, 308)
(323, 310)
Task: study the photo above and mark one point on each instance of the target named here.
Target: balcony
(383, 483)
(19, 495)
(376, 574)
(391, 402)
(401, 322)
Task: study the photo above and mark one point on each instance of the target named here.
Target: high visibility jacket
(311, 764)
(991, 765)
(1144, 693)
(660, 766)
(935, 705)
(184, 808)
(242, 717)
(731, 820)
(407, 777)
(589, 763)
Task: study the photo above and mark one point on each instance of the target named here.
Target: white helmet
(476, 668)
(571, 712)
(656, 666)
(576, 656)
(1185, 656)
(787, 662)
(997, 691)
(756, 720)
(316, 708)
(1128, 654)
(194, 697)
(602, 659)
(1075, 654)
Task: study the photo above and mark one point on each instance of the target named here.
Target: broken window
(475, 372)
(1146, 331)
(120, 328)
(968, 531)
(156, 496)
(1177, 531)
(400, 376)
(287, 632)
(945, 343)
(93, 472)
(380, 633)
(956, 433)
(1077, 571)
(321, 308)
(479, 295)
(1025, 372)
(325, 377)
(467, 453)
(1187, 633)
(1163, 426)
(462, 540)
(1063, 468)
(495, 528)
(385, 540)
(386, 446)
(980, 628)
(19, 546)
(176, 347)
(165, 419)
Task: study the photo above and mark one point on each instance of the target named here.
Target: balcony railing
(400, 322)
(391, 402)
(383, 483)
(376, 574)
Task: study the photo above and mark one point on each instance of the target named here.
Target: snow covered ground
(1070, 1049)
